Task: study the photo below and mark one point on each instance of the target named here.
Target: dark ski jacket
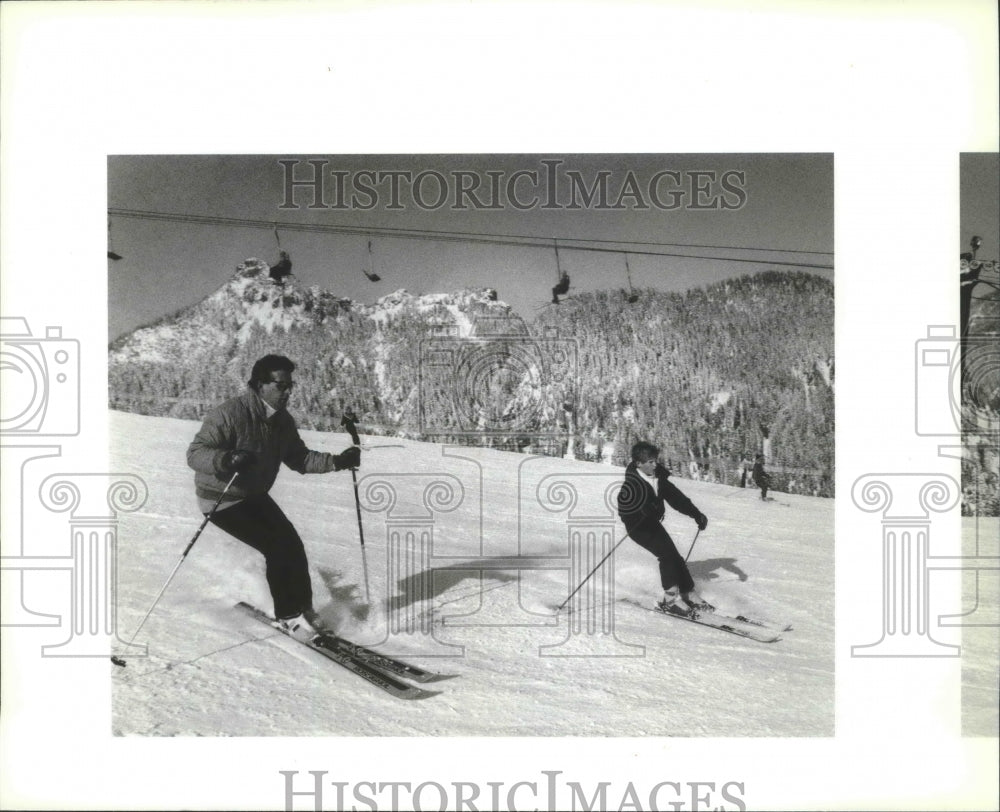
(760, 476)
(642, 509)
(243, 423)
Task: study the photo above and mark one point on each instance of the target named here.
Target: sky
(765, 208)
(979, 178)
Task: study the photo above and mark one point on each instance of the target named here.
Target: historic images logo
(498, 381)
(41, 399)
(957, 383)
(41, 381)
(956, 396)
(549, 790)
(551, 185)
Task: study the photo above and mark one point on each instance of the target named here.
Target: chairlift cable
(578, 244)
(506, 238)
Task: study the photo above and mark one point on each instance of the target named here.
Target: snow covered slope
(211, 671)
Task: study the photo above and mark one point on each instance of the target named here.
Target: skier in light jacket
(252, 435)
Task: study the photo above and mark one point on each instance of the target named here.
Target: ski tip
(437, 677)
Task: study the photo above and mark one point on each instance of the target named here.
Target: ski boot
(697, 602)
(674, 604)
(300, 628)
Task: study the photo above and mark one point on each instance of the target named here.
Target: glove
(701, 520)
(238, 461)
(351, 458)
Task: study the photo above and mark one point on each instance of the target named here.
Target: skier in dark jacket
(641, 507)
(252, 435)
(761, 477)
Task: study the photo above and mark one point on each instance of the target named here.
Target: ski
(388, 682)
(763, 624)
(752, 621)
(730, 625)
(384, 662)
(776, 501)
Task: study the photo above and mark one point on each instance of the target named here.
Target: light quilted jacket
(242, 423)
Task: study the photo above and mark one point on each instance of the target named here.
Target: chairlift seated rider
(282, 269)
(561, 287)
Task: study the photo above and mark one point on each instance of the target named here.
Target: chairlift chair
(632, 297)
(283, 267)
(370, 270)
(561, 287)
(111, 254)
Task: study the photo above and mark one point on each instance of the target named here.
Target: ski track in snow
(211, 671)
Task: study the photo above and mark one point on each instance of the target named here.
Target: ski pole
(696, 532)
(595, 569)
(361, 532)
(208, 516)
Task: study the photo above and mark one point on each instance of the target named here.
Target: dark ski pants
(673, 569)
(259, 522)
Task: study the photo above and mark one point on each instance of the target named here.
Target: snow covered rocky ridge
(705, 374)
(251, 300)
(349, 354)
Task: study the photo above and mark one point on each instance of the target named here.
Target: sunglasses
(283, 386)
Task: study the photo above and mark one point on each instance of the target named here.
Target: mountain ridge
(712, 374)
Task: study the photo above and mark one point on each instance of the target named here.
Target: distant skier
(641, 507)
(761, 477)
(253, 435)
(350, 422)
